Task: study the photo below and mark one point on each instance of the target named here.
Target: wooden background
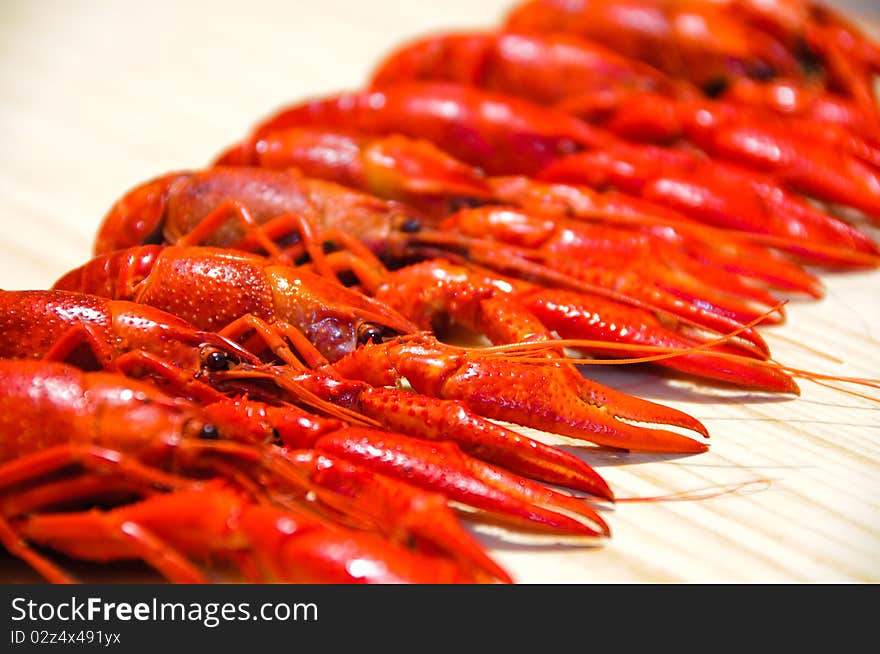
(99, 96)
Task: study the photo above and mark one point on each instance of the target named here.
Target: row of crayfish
(251, 372)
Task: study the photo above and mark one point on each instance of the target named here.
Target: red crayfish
(259, 368)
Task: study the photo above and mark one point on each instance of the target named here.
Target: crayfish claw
(444, 468)
(551, 397)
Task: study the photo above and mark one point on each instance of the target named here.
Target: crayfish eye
(762, 72)
(459, 202)
(209, 432)
(808, 59)
(217, 360)
(715, 87)
(369, 334)
(411, 225)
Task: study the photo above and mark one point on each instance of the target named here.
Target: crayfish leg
(98, 459)
(106, 537)
(16, 546)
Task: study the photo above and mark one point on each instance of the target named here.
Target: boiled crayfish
(252, 368)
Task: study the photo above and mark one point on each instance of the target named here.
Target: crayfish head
(136, 417)
(138, 218)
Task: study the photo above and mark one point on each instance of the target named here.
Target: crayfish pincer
(212, 288)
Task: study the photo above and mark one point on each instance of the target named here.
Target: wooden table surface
(99, 96)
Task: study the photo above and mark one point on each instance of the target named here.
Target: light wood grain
(99, 96)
